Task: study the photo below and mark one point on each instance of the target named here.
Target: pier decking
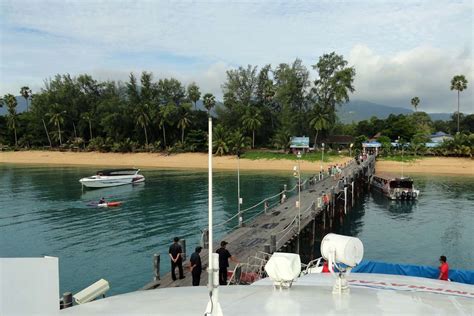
(277, 228)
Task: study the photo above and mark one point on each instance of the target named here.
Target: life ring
(414, 195)
(397, 194)
(404, 194)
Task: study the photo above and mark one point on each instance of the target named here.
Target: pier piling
(67, 299)
(156, 266)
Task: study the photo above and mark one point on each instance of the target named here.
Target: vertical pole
(352, 194)
(183, 246)
(299, 204)
(210, 274)
(239, 200)
(156, 266)
(67, 299)
(273, 243)
(345, 199)
(205, 239)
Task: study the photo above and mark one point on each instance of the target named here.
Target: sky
(400, 49)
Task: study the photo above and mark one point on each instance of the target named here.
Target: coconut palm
(458, 83)
(193, 93)
(320, 121)
(11, 104)
(87, 116)
(252, 120)
(56, 117)
(184, 120)
(164, 115)
(143, 119)
(25, 92)
(209, 102)
(415, 101)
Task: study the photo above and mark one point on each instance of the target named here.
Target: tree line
(261, 107)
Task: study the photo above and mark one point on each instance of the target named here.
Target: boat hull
(105, 181)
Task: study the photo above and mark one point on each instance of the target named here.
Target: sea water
(44, 211)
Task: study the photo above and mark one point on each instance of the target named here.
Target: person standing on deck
(195, 266)
(443, 269)
(175, 253)
(224, 256)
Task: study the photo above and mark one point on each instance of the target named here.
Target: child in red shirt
(443, 269)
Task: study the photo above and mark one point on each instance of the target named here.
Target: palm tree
(252, 120)
(165, 113)
(281, 139)
(11, 103)
(143, 119)
(184, 120)
(193, 93)
(25, 92)
(220, 136)
(237, 141)
(87, 116)
(320, 121)
(415, 101)
(56, 117)
(209, 102)
(458, 83)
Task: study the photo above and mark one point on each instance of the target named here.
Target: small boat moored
(395, 188)
(113, 177)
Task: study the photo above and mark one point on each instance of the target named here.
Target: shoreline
(427, 165)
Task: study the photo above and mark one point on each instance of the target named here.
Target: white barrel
(348, 250)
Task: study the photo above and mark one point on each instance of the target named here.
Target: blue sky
(400, 49)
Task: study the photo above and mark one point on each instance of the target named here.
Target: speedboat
(395, 188)
(112, 177)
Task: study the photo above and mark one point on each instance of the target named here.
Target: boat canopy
(117, 172)
(406, 183)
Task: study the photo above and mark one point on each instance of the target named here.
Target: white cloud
(425, 72)
(198, 41)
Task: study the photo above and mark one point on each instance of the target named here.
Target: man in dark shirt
(175, 252)
(195, 266)
(224, 256)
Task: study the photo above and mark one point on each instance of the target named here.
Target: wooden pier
(323, 201)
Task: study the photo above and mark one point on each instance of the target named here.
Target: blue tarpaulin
(462, 276)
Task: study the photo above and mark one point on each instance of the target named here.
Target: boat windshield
(401, 184)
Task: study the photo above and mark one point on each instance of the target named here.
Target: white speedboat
(113, 177)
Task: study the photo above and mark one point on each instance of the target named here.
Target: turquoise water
(440, 223)
(43, 211)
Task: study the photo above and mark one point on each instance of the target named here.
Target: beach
(430, 165)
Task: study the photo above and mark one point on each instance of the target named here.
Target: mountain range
(353, 111)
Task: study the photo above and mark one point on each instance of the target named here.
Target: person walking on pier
(195, 266)
(224, 256)
(443, 269)
(175, 253)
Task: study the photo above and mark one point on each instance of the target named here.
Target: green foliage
(220, 140)
(359, 140)
(415, 101)
(209, 102)
(334, 82)
(281, 140)
(193, 93)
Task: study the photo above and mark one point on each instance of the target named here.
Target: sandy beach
(460, 166)
(430, 165)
